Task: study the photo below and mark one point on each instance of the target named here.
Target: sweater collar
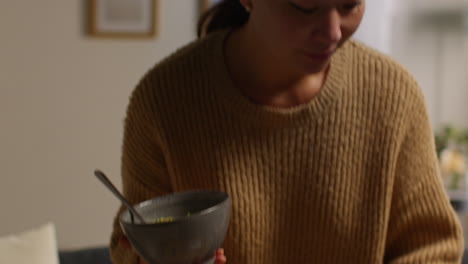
(234, 101)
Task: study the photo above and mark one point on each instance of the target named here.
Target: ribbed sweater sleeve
(421, 225)
(144, 170)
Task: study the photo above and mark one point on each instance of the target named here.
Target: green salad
(167, 219)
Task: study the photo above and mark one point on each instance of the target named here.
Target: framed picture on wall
(205, 4)
(122, 18)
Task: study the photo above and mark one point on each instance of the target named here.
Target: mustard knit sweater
(350, 177)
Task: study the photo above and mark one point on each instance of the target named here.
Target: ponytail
(223, 15)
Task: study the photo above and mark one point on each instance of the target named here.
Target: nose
(331, 27)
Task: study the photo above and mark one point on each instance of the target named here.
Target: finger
(220, 260)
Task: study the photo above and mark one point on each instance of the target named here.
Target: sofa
(97, 255)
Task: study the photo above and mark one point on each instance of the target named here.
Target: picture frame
(122, 18)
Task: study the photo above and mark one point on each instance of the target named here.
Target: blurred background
(63, 96)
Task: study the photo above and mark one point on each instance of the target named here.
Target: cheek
(282, 31)
(351, 23)
(293, 30)
(350, 26)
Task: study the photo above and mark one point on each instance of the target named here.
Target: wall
(435, 49)
(376, 27)
(62, 102)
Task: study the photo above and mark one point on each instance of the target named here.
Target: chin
(311, 68)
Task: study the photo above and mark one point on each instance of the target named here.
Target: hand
(220, 257)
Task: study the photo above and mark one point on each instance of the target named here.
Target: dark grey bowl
(187, 239)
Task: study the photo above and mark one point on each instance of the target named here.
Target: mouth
(323, 56)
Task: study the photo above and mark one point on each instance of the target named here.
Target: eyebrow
(303, 9)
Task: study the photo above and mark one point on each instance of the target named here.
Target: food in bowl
(160, 220)
(167, 219)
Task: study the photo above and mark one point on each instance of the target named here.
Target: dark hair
(225, 14)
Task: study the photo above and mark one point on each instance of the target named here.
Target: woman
(323, 143)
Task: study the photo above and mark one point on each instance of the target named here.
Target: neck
(263, 78)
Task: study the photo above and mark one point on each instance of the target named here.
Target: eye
(350, 7)
(304, 10)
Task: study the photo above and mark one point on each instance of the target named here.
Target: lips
(319, 56)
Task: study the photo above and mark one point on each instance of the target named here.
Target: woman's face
(304, 33)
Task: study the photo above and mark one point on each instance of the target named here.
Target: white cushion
(36, 246)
